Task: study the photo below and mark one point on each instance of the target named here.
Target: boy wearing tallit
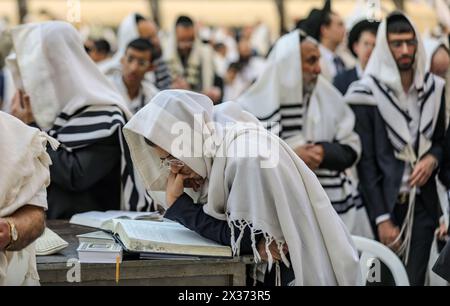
(310, 115)
(136, 26)
(61, 90)
(191, 62)
(400, 117)
(23, 179)
(222, 181)
(136, 62)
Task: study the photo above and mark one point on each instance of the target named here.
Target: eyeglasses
(399, 43)
(169, 161)
(141, 63)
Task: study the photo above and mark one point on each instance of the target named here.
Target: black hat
(316, 18)
(358, 28)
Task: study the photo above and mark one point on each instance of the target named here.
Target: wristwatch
(13, 234)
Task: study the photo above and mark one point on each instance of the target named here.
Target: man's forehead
(185, 30)
(309, 46)
(137, 53)
(400, 36)
(335, 17)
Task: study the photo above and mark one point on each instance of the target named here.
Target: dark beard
(406, 67)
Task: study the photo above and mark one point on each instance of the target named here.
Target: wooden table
(53, 269)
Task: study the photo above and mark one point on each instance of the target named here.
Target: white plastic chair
(371, 249)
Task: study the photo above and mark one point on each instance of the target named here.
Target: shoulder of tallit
(361, 93)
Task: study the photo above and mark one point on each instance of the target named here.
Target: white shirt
(327, 62)
(146, 93)
(414, 112)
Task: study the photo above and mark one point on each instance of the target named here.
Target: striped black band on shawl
(91, 124)
(424, 97)
(388, 93)
(192, 74)
(343, 195)
(162, 75)
(289, 118)
(336, 184)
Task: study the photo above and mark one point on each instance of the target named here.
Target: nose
(317, 68)
(134, 66)
(404, 47)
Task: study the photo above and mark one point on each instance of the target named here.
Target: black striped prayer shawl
(91, 124)
(289, 121)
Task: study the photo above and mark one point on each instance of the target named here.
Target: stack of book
(155, 238)
(98, 247)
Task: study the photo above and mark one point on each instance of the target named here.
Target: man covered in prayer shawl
(191, 62)
(62, 91)
(240, 185)
(311, 116)
(400, 117)
(24, 175)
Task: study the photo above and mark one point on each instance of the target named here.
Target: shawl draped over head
(69, 95)
(271, 191)
(128, 31)
(381, 87)
(278, 100)
(25, 172)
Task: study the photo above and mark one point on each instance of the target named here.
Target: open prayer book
(167, 237)
(103, 220)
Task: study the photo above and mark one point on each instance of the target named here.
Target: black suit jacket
(442, 265)
(380, 173)
(343, 80)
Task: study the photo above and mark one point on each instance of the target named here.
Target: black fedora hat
(358, 28)
(316, 18)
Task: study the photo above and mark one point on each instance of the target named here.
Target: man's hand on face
(21, 107)
(422, 171)
(175, 186)
(5, 235)
(311, 154)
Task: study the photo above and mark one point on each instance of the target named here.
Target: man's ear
(122, 60)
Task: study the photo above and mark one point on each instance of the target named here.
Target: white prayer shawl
(25, 171)
(277, 98)
(286, 203)
(431, 46)
(146, 92)
(128, 31)
(200, 68)
(69, 94)
(441, 7)
(381, 86)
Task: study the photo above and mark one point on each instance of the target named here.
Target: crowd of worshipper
(356, 121)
